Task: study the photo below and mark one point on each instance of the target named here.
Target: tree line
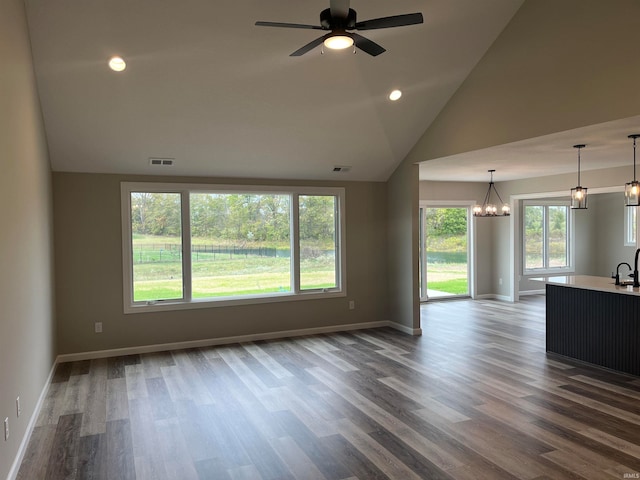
(444, 222)
(238, 217)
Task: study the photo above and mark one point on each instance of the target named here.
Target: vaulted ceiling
(206, 87)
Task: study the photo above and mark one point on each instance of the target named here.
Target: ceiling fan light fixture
(338, 42)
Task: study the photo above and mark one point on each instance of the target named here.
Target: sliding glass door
(444, 251)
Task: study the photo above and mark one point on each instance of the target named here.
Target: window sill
(169, 305)
(547, 272)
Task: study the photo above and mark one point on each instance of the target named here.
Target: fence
(172, 252)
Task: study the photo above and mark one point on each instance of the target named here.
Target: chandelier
(488, 209)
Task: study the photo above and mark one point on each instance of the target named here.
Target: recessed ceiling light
(395, 95)
(117, 64)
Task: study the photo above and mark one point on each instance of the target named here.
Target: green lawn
(456, 286)
(225, 276)
(448, 278)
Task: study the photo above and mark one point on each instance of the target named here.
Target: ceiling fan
(339, 19)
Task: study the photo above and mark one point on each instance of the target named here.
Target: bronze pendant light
(579, 193)
(632, 189)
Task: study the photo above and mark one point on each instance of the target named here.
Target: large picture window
(188, 246)
(547, 237)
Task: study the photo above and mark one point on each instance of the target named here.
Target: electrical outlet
(352, 305)
(6, 428)
(98, 327)
(18, 409)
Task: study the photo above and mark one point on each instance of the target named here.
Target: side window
(547, 235)
(630, 226)
(156, 246)
(318, 248)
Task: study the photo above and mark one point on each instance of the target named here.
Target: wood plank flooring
(475, 397)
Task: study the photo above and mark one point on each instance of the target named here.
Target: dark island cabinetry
(599, 327)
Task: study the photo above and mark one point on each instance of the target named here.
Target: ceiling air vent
(161, 162)
(342, 168)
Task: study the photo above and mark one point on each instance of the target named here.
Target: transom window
(547, 234)
(189, 246)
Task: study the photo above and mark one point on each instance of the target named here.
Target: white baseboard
(493, 296)
(15, 468)
(523, 293)
(161, 347)
(405, 329)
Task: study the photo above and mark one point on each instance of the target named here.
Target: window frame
(630, 233)
(570, 247)
(187, 302)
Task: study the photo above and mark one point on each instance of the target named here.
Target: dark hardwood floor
(474, 398)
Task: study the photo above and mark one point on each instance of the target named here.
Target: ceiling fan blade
(388, 22)
(309, 46)
(366, 45)
(339, 8)
(288, 25)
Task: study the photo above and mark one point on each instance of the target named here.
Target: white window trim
(471, 243)
(570, 268)
(186, 302)
(628, 227)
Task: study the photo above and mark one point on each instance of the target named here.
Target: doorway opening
(444, 252)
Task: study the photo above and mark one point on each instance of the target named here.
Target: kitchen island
(592, 320)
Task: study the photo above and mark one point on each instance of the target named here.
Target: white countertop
(601, 284)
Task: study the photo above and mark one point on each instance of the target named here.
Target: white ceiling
(607, 146)
(223, 97)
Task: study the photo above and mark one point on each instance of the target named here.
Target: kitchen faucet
(635, 271)
(617, 276)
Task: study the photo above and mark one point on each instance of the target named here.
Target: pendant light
(632, 189)
(579, 194)
(488, 209)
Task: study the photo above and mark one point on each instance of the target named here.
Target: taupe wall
(608, 235)
(403, 283)
(26, 323)
(89, 272)
(558, 65)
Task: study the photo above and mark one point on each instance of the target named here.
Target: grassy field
(456, 286)
(448, 278)
(157, 271)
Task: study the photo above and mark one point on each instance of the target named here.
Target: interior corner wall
(89, 277)
(558, 65)
(402, 195)
(608, 235)
(27, 327)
